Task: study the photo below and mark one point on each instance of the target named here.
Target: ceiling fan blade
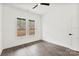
(35, 6)
(47, 4)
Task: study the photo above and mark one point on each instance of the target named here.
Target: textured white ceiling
(41, 9)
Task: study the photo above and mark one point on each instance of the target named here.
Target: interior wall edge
(0, 29)
(1, 51)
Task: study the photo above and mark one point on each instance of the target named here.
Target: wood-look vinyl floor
(39, 48)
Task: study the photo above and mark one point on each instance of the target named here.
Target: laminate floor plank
(41, 48)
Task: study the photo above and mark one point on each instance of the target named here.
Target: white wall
(75, 30)
(10, 15)
(0, 28)
(59, 22)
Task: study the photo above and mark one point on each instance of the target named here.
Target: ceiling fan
(46, 4)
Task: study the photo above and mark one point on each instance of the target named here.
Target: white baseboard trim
(62, 45)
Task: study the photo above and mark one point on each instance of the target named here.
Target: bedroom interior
(39, 29)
